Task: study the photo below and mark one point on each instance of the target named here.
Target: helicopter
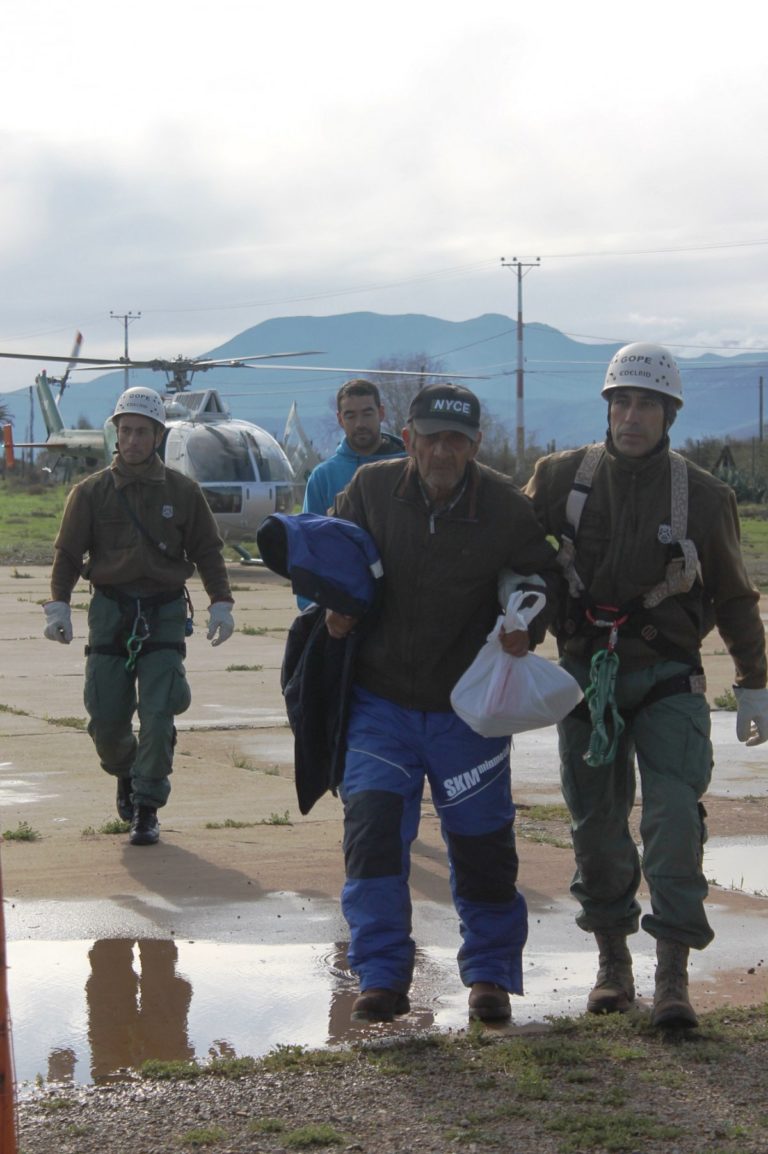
(244, 472)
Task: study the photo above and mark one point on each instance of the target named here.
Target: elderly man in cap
(445, 527)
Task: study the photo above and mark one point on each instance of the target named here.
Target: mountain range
(562, 377)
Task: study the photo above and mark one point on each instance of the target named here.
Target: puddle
(96, 988)
(738, 864)
(87, 1011)
(22, 790)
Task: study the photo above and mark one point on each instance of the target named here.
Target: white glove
(220, 621)
(752, 715)
(58, 621)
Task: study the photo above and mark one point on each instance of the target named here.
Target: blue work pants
(391, 751)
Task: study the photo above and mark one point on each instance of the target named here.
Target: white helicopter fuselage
(242, 470)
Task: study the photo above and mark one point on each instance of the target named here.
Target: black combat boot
(124, 803)
(145, 828)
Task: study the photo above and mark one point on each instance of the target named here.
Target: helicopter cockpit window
(196, 406)
(216, 453)
(273, 465)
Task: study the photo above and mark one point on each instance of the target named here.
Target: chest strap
(681, 571)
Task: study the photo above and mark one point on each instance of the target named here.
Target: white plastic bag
(500, 695)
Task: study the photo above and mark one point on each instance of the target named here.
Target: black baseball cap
(445, 408)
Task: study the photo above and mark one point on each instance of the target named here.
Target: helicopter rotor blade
(369, 372)
(182, 364)
(72, 360)
(158, 363)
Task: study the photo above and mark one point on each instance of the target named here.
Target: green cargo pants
(157, 686)
(671, 742)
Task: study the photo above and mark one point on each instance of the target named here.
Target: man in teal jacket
(359, 412)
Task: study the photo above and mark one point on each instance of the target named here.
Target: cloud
(213, 166)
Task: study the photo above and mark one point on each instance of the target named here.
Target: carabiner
(139, 634)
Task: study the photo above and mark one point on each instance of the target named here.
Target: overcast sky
(212, 165)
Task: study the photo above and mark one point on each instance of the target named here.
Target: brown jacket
(99, 540)
(440, 575)
(619, 556)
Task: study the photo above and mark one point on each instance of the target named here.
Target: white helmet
(142, 403)
(644, 366)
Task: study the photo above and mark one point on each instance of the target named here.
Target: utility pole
(520, 265)
(126, 318)
(760, 421)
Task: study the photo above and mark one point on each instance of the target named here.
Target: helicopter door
(219, 459)
(273, 467)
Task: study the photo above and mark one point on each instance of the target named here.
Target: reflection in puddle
(738, 863)
(21, 790)
(87, 1011)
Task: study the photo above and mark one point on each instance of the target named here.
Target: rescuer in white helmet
(136, 531)
(649, 546)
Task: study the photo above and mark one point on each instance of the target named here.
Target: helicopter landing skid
(246, 557)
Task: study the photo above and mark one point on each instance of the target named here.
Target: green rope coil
(600, 696)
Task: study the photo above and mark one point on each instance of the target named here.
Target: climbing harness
(134, 632)
(679, 577)
(139, 634)
(681, 570)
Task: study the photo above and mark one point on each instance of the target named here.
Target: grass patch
(254, 630)
(53, 1105)
(230, 1068)
(313, 1134)
(115, 825)
(29, 520)
(277, 819)
(232, 823)
(266, 1126)
(545, 812)
(285, 1057)
(174, 1071)
(67, 722)
(727, 700)
(244, 669)
(20, 576)
(611, 1130)
(23, 832)
(203, 1136)
(542, 838)
(12, 709)
(240, 761)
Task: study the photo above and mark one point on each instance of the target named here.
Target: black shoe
(145, 828)
(124, 803)
(378, 1005)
